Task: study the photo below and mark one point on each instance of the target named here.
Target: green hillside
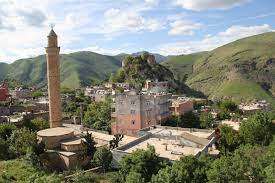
(242, 70)
(181, 66)
(76, 69)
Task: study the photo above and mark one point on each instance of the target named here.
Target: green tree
(187, 169)
(206, 120)
(228, 139)
(6, 130)
(189, 120)
(244, 165)
(5, 152)
(103, 157)
(21, 140)
(37, 94)
(89, 144)
(223, 115)
(134, 177)
(228, 106)
(257, 129)
(143, 162)
(98, 115)
(36, 124)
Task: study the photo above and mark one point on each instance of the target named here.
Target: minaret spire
(53, 76)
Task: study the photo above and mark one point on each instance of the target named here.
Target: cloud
(199, 5)
(152, 2)
(96, 49)
(183, 27)
(118, 21)
(33, 18)
(210, 42)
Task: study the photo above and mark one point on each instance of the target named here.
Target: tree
(37, 94)
(6, 130)
(228, 106)
(223, 115)
(21, 140)
(257, 129)
(98, 115)
(89, 144)
(206, 120)
(189, 120)
(36, 124)
(134, 177)
(103, 157)
(187, 169)
(228, 139)
(244, 165)
(143, 162)
(115, 141)
(5, 152)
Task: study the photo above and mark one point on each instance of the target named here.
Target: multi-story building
(160, 84)
(181, 105)
(132, 111)
(4, 92)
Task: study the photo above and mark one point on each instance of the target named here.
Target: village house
(164, 85)
(4, 92)
(181, 105)
(249, 108)
(21, 93)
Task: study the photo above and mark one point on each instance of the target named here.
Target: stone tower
(53, 75)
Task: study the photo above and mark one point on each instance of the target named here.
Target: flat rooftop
(179, 131)
(171, 142)
(53, 132)
(169, 149)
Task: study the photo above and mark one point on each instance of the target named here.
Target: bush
(5, 152)
(103, 157)
(21, 140)
(6, 130)
(36, 124)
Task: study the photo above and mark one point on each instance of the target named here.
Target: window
(133, 112)
(132, 102)
(133, 122)
(147, 102)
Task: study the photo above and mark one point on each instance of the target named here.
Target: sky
(167, 27)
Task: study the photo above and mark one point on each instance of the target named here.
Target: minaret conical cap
(52, 33)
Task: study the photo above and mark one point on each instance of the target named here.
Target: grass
(238, 69)
(19, 170)
(76, 68)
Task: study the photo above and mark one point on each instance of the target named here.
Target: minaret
(53, 75)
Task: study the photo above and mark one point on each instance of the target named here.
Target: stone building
(152, 84)
(133, 111)
(181, 105)
(4, 91)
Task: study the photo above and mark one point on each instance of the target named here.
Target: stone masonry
(53, 75)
